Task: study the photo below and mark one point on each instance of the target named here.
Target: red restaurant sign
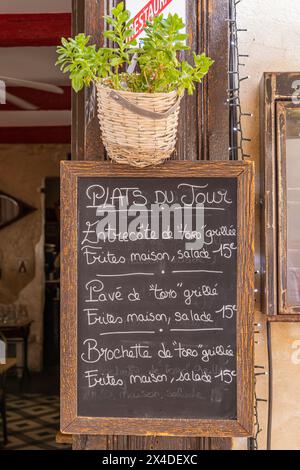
(151, 9)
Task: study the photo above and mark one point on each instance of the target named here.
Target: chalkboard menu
(157, 270)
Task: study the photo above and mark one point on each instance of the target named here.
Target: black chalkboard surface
(157, 297)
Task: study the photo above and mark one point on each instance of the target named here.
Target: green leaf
(110, 35)
(115, 62)
(77, 83)
(159, 68)
(128, 33)
(109, 20)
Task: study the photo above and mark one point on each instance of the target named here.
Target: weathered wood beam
(41, 99)
(37, 29)
(35, 135)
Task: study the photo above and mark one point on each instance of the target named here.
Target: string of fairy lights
(237, 151)
(236, 63)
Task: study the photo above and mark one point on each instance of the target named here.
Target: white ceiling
(35, 6)
(34, 118)
(31, 63)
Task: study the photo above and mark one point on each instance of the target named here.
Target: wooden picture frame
(284, 307)
(277, 94)
(70, 421)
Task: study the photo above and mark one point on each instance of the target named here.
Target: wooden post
(86, 141)
(203, 135)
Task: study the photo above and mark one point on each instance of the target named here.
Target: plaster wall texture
(272, 41)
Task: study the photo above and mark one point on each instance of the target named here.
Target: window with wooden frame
(288, 140)
(281, 195)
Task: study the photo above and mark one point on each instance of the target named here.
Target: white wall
(272, 41)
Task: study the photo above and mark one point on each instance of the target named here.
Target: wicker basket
(138, 129)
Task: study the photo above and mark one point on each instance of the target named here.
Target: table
(15, 332)
(10, 363)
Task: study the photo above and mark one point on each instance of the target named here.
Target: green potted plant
(138, 111)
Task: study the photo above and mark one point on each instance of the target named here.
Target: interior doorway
(52, 273)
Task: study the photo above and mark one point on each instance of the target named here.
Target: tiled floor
(33, 421)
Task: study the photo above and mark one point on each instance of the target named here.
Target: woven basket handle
(141, 111)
